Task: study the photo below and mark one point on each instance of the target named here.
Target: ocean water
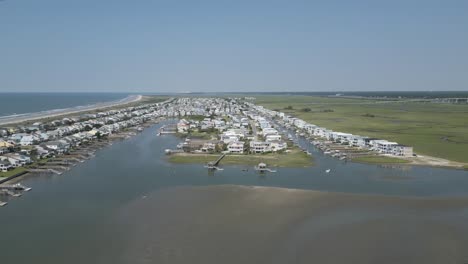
(21, 103)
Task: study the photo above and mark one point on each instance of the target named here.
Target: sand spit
(235, 224)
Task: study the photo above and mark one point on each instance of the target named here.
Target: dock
(262, 167)
(213, 165)
(46, 171)
(167, 129)
(15, 187)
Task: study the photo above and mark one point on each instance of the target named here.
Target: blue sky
(206, 46)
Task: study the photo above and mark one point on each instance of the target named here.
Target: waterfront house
(277, 145)
(402, 150)
(5, 165)
(208, 147)
(16, 158)
(383, 146)
(58, 147)
(42, 152)
(13, 162)
(183, 126)
(236, 147)
(259, 146)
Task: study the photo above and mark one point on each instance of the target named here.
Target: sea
(22, 103)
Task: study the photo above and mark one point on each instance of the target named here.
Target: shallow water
(69, 218)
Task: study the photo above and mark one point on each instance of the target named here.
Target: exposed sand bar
(11, 119)
(235, 224)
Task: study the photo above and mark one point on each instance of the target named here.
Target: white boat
(327, 171)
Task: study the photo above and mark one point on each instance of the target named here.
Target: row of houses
(17, 145)
(379, 145)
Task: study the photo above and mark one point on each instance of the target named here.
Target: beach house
(236, 147)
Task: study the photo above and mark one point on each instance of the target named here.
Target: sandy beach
(236, 224)
(12, 119)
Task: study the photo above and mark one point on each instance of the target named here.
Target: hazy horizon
(243, 46)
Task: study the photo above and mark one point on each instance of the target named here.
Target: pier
(15, 187)
(213, 165)
(167, 129)
(46, 171)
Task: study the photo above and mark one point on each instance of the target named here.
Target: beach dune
(237, 224)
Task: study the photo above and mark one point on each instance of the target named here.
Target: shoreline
(295, 159)
(91, 148)
(26, 117)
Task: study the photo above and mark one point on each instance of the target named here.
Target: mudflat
(239, 224)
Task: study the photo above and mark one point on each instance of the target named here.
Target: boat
(327, 171)
(168, 151)
(3, 203)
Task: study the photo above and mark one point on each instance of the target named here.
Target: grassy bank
(12, 172)
(379, 160)
(439, 130)
(295, 158)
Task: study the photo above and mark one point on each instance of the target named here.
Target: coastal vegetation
(294, 158)
(12, 172)
(379, 160)
(433, 129)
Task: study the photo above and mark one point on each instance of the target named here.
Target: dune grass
(439, 130)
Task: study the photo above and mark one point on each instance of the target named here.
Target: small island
(244, 136)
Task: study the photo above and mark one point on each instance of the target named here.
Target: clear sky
(236, 45)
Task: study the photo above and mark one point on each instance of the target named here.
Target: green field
(379, 160)
(12, 172)
(439, 130)
(295, 158)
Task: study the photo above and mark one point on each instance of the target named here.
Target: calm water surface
(65, 218)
